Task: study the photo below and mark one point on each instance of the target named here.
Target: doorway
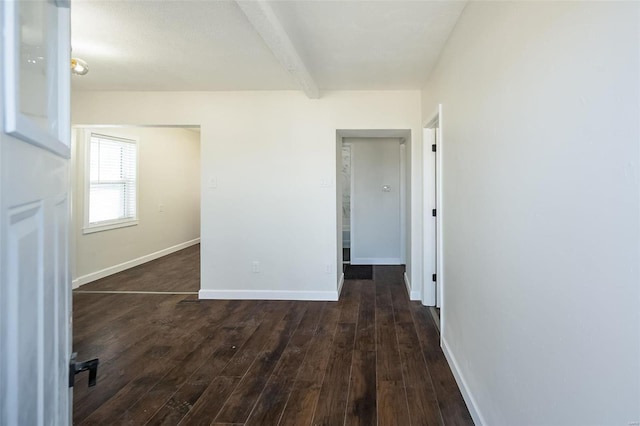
(372, 199)
(433, 280)
(136, 209)
(376, 194)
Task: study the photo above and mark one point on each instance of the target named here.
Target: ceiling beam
(266, 23)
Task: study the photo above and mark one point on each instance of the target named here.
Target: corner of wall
(340, 284)
(413, 294)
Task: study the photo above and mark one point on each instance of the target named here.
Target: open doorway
(433, 280)
(136, 209)
(373, 200)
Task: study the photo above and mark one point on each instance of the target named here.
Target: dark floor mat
(358, 272)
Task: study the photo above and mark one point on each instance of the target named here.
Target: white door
(35, 297)
(376, 219)
(430, 229)
(432, 291)
(437, 226)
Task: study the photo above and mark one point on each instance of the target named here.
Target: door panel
(36, 310)
(24, 271)
(376, 224)
(35, 304)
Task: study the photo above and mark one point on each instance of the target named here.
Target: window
(112, 182)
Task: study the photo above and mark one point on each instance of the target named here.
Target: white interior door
(35, 291)
(429, 237)
(437, 225)
(376, 219)
(432, 291)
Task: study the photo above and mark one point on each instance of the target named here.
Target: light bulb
(79, 67)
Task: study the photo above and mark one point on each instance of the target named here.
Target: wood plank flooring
(179, 271)
(373, 358)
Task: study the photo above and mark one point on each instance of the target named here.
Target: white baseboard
(85, 279)
(413, 294)
(376, 261)
(478, 419)
(330, 296)
(340, 284)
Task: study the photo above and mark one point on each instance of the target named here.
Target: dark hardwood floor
(373, 358)
(177, 272)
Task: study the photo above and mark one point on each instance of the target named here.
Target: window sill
(108, 226)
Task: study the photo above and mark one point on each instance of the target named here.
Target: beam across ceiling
(266, 23)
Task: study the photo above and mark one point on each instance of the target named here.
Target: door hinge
(433, 147)
(77, 367)
(433, 277)
(433, 212)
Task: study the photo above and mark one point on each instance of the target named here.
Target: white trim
(472, 405)
(413, 295)
(374, 133)
(438, 292)
(403, 201)
(429, 224)
(85, 279)
(110, 225)
(377, 261)
(128, 126)
(434, 118)
(340, 284)
(440, 223)
(131, 292)
(331, 296)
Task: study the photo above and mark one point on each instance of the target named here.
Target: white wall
(168, 175)
(541, 210)
(273, 158)
(376, 233)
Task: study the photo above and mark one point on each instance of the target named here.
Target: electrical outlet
(327, 268)
(161, 208)
(213, 183)
(255, 267)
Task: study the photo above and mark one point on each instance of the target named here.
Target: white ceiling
(211, 45)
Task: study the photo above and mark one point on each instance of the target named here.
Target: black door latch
(77, 367)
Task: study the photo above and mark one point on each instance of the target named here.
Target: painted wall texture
(541, 210)
(269, 178)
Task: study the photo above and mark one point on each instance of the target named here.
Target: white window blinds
(112, 179)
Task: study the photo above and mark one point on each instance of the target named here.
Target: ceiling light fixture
(79, 67)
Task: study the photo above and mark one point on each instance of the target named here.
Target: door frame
(80, 136)
(409, 220)
(402, 147)
(433, 295)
